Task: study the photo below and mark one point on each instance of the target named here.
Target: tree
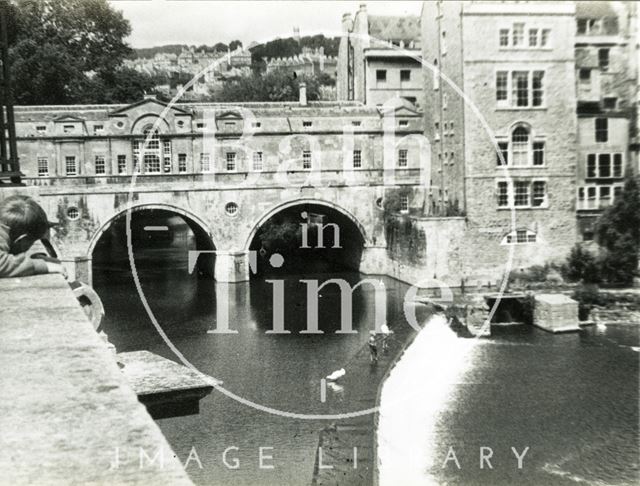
(618, 232)
(61, 46)
(273, 86)
(582, 265)
(233, 45)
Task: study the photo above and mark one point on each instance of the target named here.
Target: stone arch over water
(340, 245)
(163, 223)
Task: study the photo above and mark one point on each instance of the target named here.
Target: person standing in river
(373, 348)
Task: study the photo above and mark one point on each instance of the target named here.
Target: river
(572, 399)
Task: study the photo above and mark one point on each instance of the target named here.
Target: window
(503, 194)
(180, 123)
(357, 159)
(610, 102)
(436, 75)
(182, 163)
(519, 237)
(526, 88)
(231, 208)
(205, 162)
(98, 129)
(200, 125)
(591, 165)
(445, 101)
(603, 59)
(544, 37)
(41, 129)
(520, 146)
(443, 44)
(538, 153)
(68, 128)
(602, 129)
(307, 123)
(521, 193)
(257, 161)
(166, 155)
(43, 167)
(151, 163)
(70, 165)
(598, 196)
(617, 165)
(306, 159)
(256, 124)
(73, 213)
(604, 165)
(404, 203)
(585, 76)
(503, 149)
(587, 26)
(122, 164)
(533, 37)
(381, 75)
(403, 123)
(539, 193)
(100, 167)
(356, 123)
(504, 37)
(402, 157)
(518, 35)
(537, 88)
(501, 85)
(520, 87)
(405, 75)
(231, 161)
(230, 124)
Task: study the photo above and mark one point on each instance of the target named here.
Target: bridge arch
(301, 202)
(333, 239)
(194, 222)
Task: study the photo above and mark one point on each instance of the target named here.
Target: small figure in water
(386, 332)
(373, 348)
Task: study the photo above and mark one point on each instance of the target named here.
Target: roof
(385, 27)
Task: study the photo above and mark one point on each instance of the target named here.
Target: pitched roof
(594, 10)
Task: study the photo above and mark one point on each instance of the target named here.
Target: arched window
(520, 236)
(520, 142)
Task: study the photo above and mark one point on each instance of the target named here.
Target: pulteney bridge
(203, 163)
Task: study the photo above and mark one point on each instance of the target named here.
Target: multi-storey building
(151, 138)
(308, 62)
(379, 58)
(500, 112)
(607, 88)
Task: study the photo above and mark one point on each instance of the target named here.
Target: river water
(572, 399)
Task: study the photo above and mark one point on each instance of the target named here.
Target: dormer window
(356, 123)
(41, 129)
(307, 123)
(403, 123)
(200, 126)
(256, 124)
(229, 124)
(68, 128)
(98, 129)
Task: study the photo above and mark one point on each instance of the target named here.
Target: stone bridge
(224, 216)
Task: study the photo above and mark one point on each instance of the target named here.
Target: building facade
(379, 58)
(607, 90)
(501, 115)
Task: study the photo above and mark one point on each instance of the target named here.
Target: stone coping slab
(67, 414)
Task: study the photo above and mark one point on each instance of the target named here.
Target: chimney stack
(303, 94)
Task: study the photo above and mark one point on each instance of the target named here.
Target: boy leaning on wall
(22, 223)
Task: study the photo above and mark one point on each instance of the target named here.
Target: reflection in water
(571, 398)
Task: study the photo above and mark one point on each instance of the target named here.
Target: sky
(158, 22)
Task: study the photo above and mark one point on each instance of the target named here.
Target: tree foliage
(618, 232)
(289, 47)
(272, 86)
(71, 51)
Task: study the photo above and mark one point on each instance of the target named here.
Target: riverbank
(337, 441)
